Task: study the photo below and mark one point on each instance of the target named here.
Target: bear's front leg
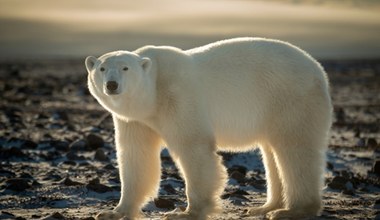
(205, 178)
(138, 154)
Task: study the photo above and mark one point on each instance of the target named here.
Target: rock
(169, 189)
(100, 155)
(241, 169)
(68, 182)
(78, 145)
(54, 216)
(61, 145)
(17, 184)
(348, 192)
(235, 193)
(361, 142)
(372, 143)
(94, 141)
(27, 144)
(330, 166)
(69, 162)
(6, 173)
(109, 167)
(60, 115)
(26, 176)
(12, 152)
(237, 176)
(164, 203)
(338, 183)
(377, 204)
(340, 115)
(258, 184)
(376, 168)
(74, 156)
(6, 215)
(96, 186)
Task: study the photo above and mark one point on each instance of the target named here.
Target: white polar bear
(230, 95)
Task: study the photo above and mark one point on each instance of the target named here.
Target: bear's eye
(102, 69)
(125, 68)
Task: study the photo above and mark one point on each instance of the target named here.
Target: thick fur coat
(230, 95)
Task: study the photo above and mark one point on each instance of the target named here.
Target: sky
(77, 28)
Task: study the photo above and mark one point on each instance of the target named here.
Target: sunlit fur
(230, 95)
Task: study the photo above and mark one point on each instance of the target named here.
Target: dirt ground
(57, 157)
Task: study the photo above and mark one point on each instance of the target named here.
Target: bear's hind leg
(274, 185)
(301, 167)
(205, 179)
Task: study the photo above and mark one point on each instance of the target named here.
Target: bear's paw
(110, 215)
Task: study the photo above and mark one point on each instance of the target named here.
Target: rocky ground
(57, 157)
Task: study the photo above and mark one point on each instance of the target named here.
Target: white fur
(230, 95)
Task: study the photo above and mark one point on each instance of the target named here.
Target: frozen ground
(57, 158)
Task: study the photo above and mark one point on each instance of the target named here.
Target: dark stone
(258, 184)
(115, 179)
(6, 173)
(100, 155)
(371, 142)
(96, 186)
(61, 145)
(70, 162)
(338, 183)
(26, 176)
(68, 182)
(109, 167)
(330, 166)
(78, 145)
(169, 189)
(349, 192)
(238, 193)
(12, 152)
(376, 168)
(5, 215)
(55, 215)
(361, 142)
(240, 169)
(18, 184)
(377, 204)
(340, 115)
(164, 203)
(61, 115)
(27, 144)
(35, 183)
(94, 141)
(74, 156)
(238, 176)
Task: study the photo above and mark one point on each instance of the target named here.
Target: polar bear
(231, 95)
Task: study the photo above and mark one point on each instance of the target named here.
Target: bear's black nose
(112, 85)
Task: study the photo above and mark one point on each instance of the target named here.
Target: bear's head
(117, 72)
(121, 81)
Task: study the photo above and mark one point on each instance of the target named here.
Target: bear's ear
(146, 63)
(90, 63)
